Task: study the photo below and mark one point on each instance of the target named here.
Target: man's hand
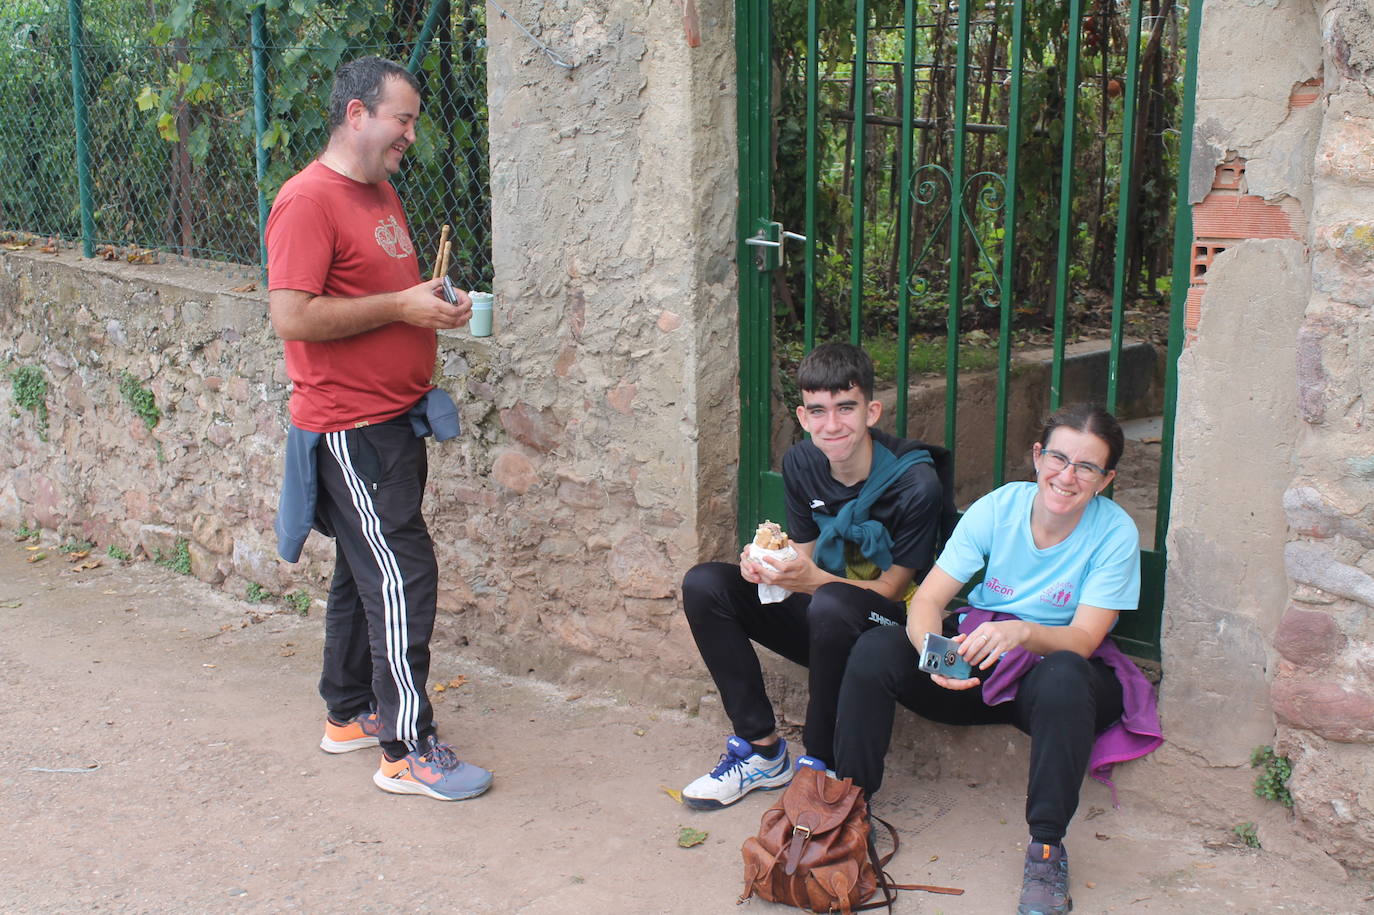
(298, 315)
(423, 305)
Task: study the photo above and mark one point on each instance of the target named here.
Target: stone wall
(598, 460)
(1268, 618)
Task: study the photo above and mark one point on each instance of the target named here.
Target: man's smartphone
(450, 294)
(940, 655)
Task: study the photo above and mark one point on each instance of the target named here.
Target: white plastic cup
(480, 322)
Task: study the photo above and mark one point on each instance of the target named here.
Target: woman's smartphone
(940, 655)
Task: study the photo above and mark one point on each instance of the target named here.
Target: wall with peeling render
(1269, 619)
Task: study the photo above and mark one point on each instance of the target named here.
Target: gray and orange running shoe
(1045, 881)
(357, 733)
(434, 770)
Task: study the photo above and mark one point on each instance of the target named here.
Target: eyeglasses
(1054, 462)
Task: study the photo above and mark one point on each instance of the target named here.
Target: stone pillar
(601, 417)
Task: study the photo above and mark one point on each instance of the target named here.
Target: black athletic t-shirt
(909, 509)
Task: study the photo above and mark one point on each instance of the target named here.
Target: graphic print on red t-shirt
(330, 235)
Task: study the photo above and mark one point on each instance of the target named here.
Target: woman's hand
(985, 644)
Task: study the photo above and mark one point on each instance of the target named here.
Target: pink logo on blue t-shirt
(1058, 595)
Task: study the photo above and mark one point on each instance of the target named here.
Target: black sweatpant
(1063, 703)
(380, 613)
(815, 631)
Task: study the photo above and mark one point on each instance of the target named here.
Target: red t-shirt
(331, 235)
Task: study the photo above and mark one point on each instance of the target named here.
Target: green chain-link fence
(175, 115)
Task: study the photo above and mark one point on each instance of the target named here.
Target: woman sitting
(1061, 563)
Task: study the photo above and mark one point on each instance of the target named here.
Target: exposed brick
(1318, 705)
(1228, 216)
(1309, 638)
(669, 321)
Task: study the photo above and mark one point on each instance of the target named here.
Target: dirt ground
(160, 754)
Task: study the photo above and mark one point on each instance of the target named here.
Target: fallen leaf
(1093, 812)
(287, 653)
(37, 557)
(78, 555)
(1101, 837)
(640, 732)
(1202, 864)
(687, 837)
(671, 792)
(31, 548)
(246, 287)
(14, 247)
(934, 857)
(108, 252)
(1090, 885)
(457, 681)
(573, 698)
(11, 604)
(142, 256)
(439, 687)
(208, 665)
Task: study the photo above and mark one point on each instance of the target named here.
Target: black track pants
(1063, 703)
(381, 606)
(815, 631)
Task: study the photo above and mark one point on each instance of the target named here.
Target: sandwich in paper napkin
(771, 543)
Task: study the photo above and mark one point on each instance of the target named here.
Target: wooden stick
(439, 254)
(443, 261)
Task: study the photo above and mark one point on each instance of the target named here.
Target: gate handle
(765, 243)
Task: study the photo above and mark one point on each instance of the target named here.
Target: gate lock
(767, 243)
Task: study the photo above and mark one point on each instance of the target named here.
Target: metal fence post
(83, 153)
(437, 9)
(259, 41)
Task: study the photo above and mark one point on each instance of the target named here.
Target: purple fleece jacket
(1135, 733)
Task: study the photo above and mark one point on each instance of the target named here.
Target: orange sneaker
(358, 733)
(434, 770)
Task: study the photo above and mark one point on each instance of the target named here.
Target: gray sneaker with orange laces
(434, 770)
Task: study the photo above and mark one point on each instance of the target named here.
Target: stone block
(1315, 703)
(1343, 261)
(639, 568)
(514, 471)
(539, 429)
(1313, 564)
(1309, 638)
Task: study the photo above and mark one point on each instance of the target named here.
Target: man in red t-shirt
(359, 324)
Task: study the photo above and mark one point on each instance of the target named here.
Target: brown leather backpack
(814, 849)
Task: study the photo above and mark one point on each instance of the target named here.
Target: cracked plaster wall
(1270, 594)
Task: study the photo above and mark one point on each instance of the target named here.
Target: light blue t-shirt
(1098, 564)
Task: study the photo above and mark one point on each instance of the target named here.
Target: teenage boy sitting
(864, 512)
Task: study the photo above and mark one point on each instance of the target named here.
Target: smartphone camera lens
(932, 660)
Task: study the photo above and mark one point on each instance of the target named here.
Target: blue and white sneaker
(811, 762)
(739, 771)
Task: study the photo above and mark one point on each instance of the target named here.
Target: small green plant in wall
(1274, 772)
(115, 552)
(140, 399)
(299, 601)
(1248, 834)
(25, 532)
(256, 593)
(178, 560)
(31, 392)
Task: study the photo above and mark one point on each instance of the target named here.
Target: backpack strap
(885, 880)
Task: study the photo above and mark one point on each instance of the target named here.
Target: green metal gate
(976, 236)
